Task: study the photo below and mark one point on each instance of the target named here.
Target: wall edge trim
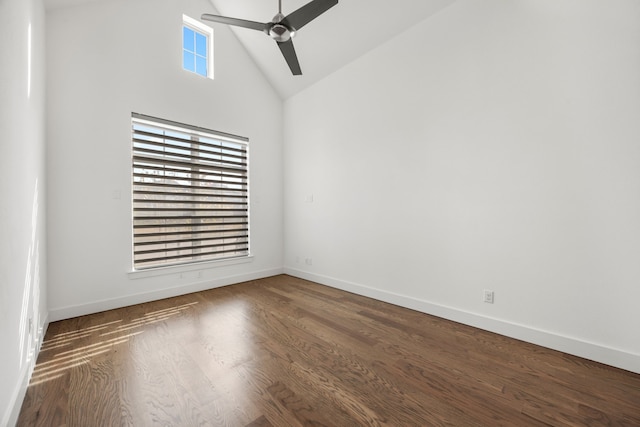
(61, 313)
(576, 347)
(17, 398)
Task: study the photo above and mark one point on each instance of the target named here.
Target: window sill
(177, 269)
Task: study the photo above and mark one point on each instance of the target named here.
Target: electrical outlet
(308, 261)
(488, 296)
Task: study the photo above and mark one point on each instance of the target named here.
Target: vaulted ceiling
(337, 37)
(340, 35)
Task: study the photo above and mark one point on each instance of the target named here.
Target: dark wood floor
(286, 352)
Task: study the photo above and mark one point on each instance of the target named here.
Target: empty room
(320, 212)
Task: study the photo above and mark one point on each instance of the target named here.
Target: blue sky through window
(194, 51)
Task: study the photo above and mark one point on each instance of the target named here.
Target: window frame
(220, 195)
(199, 28)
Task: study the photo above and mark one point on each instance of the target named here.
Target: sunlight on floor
(64, 351)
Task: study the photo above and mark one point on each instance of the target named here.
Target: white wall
(22, 194)
(106, 60)
(493, 146)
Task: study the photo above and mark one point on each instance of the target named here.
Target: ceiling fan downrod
(278, 31)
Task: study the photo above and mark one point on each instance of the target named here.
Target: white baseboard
(17, 397)
(587, 350)
(68, 312)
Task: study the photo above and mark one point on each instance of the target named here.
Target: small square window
(197, 47)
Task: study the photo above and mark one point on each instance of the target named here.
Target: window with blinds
(190, 194)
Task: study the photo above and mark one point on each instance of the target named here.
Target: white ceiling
(337, 37)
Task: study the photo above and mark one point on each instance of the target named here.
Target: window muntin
(190, 194)
(197, 43)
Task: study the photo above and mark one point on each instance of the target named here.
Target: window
(197, 47)
(190, 194)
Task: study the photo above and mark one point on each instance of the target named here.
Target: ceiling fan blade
(308, 13)
(290, 56)
(234, 21)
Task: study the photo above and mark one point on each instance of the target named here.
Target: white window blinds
(190, 194)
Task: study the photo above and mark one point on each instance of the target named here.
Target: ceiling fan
(282, 28)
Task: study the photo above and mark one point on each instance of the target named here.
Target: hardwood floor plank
(94, 393)
(282, 351)
(47, 403)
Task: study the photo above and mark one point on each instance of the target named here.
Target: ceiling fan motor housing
(279, 31)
